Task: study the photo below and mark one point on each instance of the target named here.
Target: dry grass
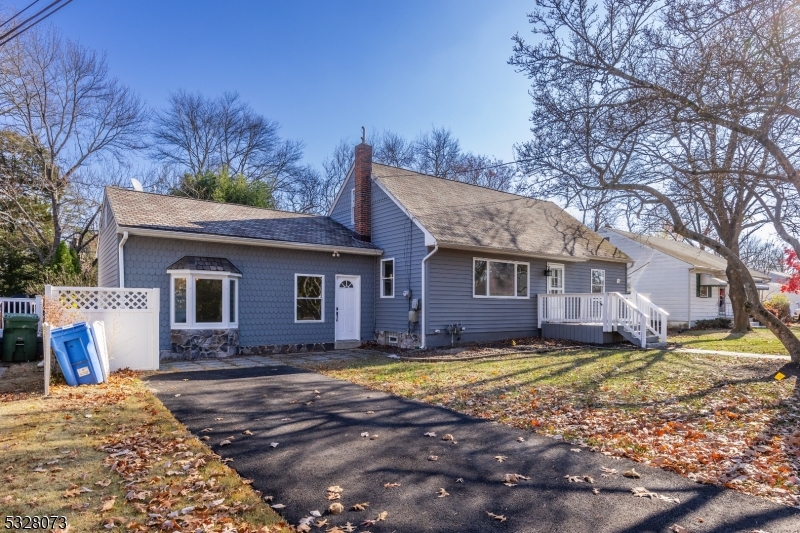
(56, 459)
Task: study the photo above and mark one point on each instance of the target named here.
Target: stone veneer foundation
(406, 341)
(199, 343)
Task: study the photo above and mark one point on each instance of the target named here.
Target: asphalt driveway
(318, 424)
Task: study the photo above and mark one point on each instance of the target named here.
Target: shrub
(778, 305)
(713, 323)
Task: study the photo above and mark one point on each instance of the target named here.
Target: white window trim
(393, 278)
(563, 269)
(487, 296)
(353, 206)
(294, 302)
(191, 276)
(591, 280)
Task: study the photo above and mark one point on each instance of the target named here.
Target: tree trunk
(738, 297)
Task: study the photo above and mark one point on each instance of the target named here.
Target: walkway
(295, 433)
(732, 354)
(251, 361)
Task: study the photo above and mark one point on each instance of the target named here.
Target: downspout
(424, 300)
(121, 266)
(691, 295)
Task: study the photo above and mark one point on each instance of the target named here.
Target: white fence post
(47, 357)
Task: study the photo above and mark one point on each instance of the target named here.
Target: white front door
(348, 308)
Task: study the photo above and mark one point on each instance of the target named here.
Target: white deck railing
(29, 306)
(632, 313)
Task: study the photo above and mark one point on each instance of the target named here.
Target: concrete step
(346, 345)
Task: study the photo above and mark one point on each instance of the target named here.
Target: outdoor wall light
(548, 272)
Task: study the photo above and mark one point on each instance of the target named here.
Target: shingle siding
(401, 240)
(108, 250)
(266, 291)
(450, 280)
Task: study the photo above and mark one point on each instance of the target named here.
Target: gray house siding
(401, 240)
(266, 291)
(450, 300)
(342, 209)
(108, 250)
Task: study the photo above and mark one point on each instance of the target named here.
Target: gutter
(424, 300)
(121, 259)
(205, 237)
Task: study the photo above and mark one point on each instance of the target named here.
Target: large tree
(63, 110)
(619, 90)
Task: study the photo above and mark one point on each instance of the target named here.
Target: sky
(323, 69)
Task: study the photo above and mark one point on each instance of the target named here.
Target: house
(689, 283)
(776, 281)
(402, 258)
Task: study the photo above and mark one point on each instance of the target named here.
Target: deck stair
(633, 316)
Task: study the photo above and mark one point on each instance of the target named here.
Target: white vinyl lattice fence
(28, 306)
(130, 317)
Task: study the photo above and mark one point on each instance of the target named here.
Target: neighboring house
(686, 281)
(777, 280)
(403, 258)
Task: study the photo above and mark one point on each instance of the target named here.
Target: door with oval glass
(348, 308)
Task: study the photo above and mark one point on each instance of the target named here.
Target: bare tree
(60, 98)
(438, 153)
(764, 255)
(195, 134)
(394, 150)
(617, 91)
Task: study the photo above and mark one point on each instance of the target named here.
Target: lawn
(718, 420)
(756, 341)
(111, 457)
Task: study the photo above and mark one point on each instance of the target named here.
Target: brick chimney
(362, 173)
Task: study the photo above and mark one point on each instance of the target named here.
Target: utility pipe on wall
(424, 301)
(121, 257)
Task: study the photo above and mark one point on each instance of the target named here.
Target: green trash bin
(19, 337)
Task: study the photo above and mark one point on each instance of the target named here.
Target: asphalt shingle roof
(460, 214)
(208, 264)
(683, 251)
(173, 213)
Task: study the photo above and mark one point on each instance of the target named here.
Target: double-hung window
(387, 278)
(598, 280)
(309, 298)
(500, 279)
(204, 293)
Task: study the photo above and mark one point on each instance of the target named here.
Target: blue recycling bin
(76, 354)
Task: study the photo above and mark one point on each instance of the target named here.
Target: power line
(19, 29)
(19, 13)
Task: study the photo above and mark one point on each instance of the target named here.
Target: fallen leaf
(322, 522)
(390, 485)
(278, 506)
(285, 419)
(268, 498)
(520, 439)
(273, 444)
(608, 472)
(595, 491)
(641, 492)
(382, 516)
(442, 493)
(500, 458)
(206, 430)
(108, 504)
(303, 528)
(247, 432)
(335, 508)
(430, 434)
(632, 473)
(678, 529)
(460, 480)
(360, 506)
(580, 479)
(373, 437)
(513, 479)
(349, 528)
(335, 488)
(219, 418)
(370, 412)
(448, 436)
(225, 442)
(433, 458)
(576, 450)
(498, 517)
(206, 437)
(365, 434)
(175, 396)
(367, 523)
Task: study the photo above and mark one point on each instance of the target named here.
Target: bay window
(204, 293)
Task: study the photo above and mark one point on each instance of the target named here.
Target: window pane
(501, 279)
(308, 309)
(480, 278)
(388, 269)
(309, 287)
(232, 300)
(180, 300)
(522, 280)
(208, 300)
(598, 280)
(387, 287)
